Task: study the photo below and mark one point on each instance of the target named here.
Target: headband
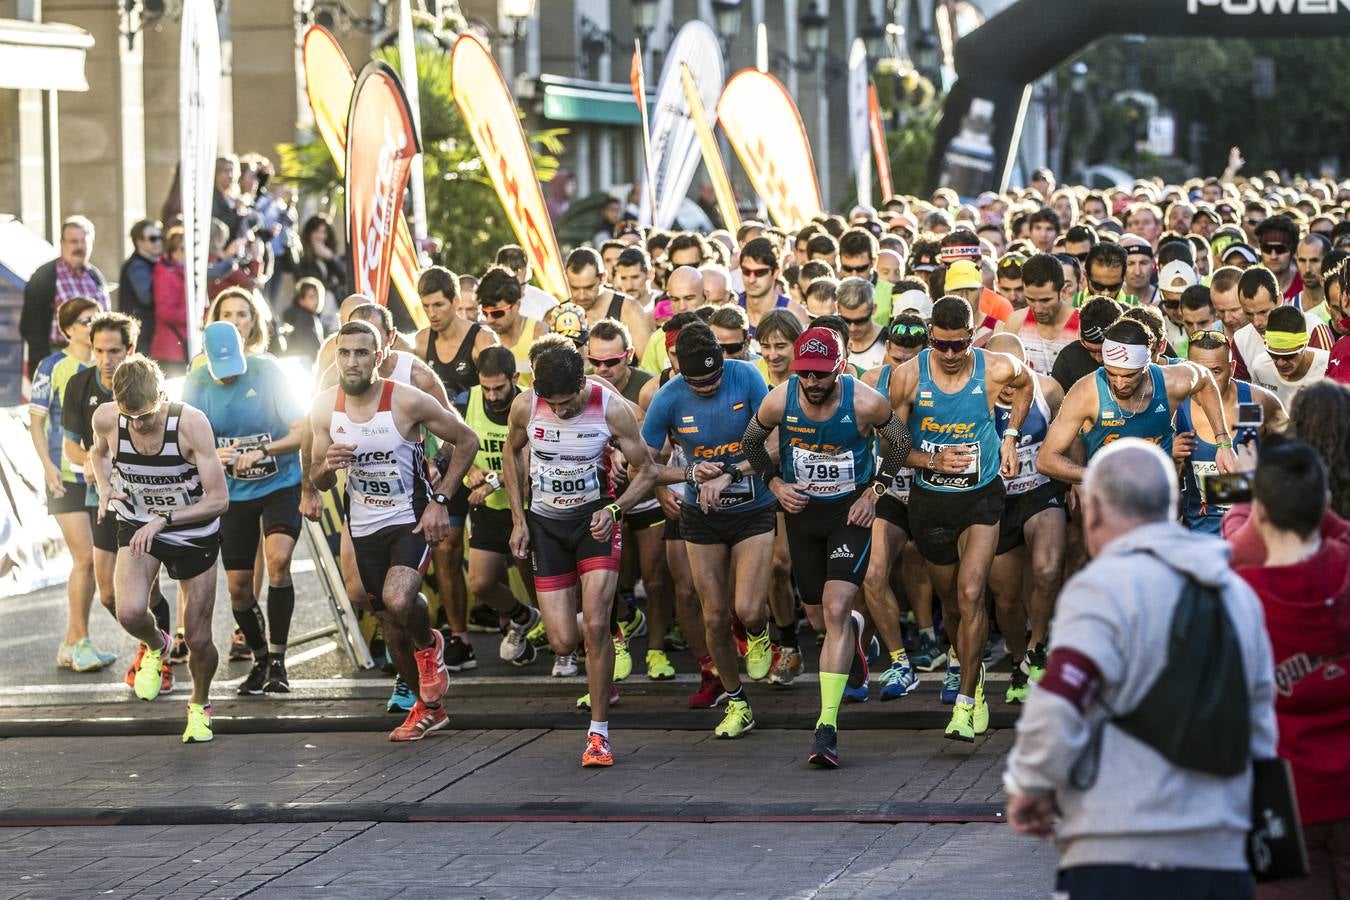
(700, 364)
(1124, 356)
(1286, 341)
(1093, 335)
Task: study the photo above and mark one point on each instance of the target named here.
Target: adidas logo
(341, 430)
(978, 390)
(846, 419)
(1160, 408)
(842, 552)
(251, 393)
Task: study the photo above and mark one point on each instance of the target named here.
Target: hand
(602, 524)
(1226, 459)
(478, 496)
(670, 503)
(707, 471)
(1183, 445)
(952, 459)
(339, 456)
(1032, 814)
(311, 504)
(1246, 457)
(106, 495)
(227, 454)
(1007, 455)
(1074, 500)
(710, 492)
(789, 496)
(475, 478)
(55, 487)
(145, 536)
(1235, 160)
(247, 459)
(864, 509)
(321, 250)
(520, 540)
(434, 525)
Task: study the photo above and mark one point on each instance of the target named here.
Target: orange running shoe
(597, 752)
(421, 720)
(432, 675)
(166, 679)
(135, 664)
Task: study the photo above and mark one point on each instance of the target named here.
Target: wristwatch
(737, 476)
(166, 515)
(493, 481)
(615, 510)
(879, 488)
(1012, 432)
(441, 498)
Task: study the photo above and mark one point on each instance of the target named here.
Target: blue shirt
(49, 387)
(709, 429)
(1198, 513)
(828, 459)
(257, 408)
(1153, 425)
(963, 418)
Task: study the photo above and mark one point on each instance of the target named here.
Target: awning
(45, 56)
(595, 102)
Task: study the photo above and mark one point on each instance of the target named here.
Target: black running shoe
(825, 749)
(277, 680)
(459, 655)
(257, 679)
(484, 619)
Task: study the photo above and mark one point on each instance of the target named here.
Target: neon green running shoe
(758, 656)
(537, 635)
(637, 627)
(962, 725)
(198, 729)
(981, 717)
(658, 666)
(1017, 687)
(623, 660)
(148, 677)
(738, 721)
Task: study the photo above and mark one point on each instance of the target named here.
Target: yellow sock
(899, 656)
(832, 686)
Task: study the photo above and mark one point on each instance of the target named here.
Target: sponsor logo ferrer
(1268, 7)
(373, 456)
(932, 425)
(731, 448)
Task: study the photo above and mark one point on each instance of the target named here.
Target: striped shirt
(156, 482)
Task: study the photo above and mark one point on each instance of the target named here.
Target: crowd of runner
(875, 424)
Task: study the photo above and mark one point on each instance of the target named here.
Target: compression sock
(250, 622)
(929, 633)
(520, 615)
(280, 609)
(159, 608)
(832, 686)
(787, 635)
(738, 694)
(705, 664)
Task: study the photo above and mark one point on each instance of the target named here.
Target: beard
(500, 406)
(355, 388)
(816, 395)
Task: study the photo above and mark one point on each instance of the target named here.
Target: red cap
(817, 350)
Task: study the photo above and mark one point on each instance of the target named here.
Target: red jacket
(1338, 367)
(1248, 547)
(169, 343)
(1307, 609)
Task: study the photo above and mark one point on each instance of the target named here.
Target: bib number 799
(367, 486)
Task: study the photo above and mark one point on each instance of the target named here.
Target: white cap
(1176, 276)
(915, 300)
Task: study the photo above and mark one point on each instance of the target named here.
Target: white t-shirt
(873, 356)
(534, 302)
(1263, 372)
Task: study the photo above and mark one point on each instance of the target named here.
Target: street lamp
(727, 16)
(644, 18)
(518, 13)
(815, 30)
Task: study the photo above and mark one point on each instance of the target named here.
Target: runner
(726, 515)
(157, 471)
(828, 488)
(586, 288)
(1034, 517)
(957, 500)
(1289, 363)
(566, 425)
(371, 426)
(1049, 323)
(759, 271)
(499, 296)
(257, 423)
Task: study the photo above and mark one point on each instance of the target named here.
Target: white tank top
(570, 459)
(403, 365)
(387, 479)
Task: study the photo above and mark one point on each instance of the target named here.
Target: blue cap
(224, 350)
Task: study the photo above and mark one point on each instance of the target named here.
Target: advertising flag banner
(764, 128)
(490, 114)
(859, 141)
(712, 156)
(199, 105)
(329, 82)
(407, 65)
(638, 78)
(381, 146)
(879, 149)
(674, 138)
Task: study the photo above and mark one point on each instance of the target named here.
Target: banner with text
(859, 141)
(674, 138)
(199, 109)
(712, 155)
(490, 113)
(381, 146)
(764, 128)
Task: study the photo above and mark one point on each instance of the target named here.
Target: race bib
(900, 486)
(1203, 469)
(376, 485)
(145, 500)
(1027, 478)
(566, 488)
(823, 474)
(967, 478)
(736, 494)
(263, 468)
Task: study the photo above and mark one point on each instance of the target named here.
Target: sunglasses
(1011, 261)
(154, 237)
(815, 376)
(1171, 304)
(1253, 222)
(149, 413)
(863, 321)
(950, 346)
(732, 349)
(84, 320)
(855, 270)
(754, 273)
(902, 330)
(1201, 335)
(1109, 290)
(1290, 354)
(496, 312)
(1275, 249)
(606, 363)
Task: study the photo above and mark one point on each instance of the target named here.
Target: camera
(1250, 415)
(1230, 488)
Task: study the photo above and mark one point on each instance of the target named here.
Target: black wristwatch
(736, 474)
(441, 498)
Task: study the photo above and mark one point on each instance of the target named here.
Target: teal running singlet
(962, 419)
(827, 460)
(1113, 423)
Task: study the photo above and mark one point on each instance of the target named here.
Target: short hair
(496, 360)
(951, 313)
(782, 322)
(559, 370)
(612, 244)
(1108, 254)
(262, 314)
(138, 230)
(857, 241)
(688, 240)
(363, 328)
(77, 222)
(822, 289)
(583, 258)
(1081, 233)
(854, 293)
(438, 278)
(137, 382)
(1224, 278)
(173, 240)
(837, 324)
(498, 286)
(1042, 268)
(309, 284)
(1098, 313)
(552, 339)
(1290, 483)
(512, 256)
(1196, 296)
(1209, 341)
(1044, 214)
(1255, 278)
(376, 315)
(657, 240)
(762, 250)
(1287, 318)
(612, 329)
(1175, 248)
(123, 324)
(1150, 318)
(906, 338)
(634, 256)
(1127, 330)
(731, 317)
(822, 244)
(68, 312)
(1135, 479)
(815, 270)
(696, 338)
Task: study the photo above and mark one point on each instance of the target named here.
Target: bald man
(889, 266)
(328, 352)
(716, 281)
(684, 290)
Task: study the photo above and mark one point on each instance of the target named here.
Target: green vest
(491, 440)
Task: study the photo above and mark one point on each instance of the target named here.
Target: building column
(225, 121)
(31, 149)
(130, 138)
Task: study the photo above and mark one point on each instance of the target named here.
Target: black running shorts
(562, 549)
(1020, 508)
(105, 533)
(391, 546)
(247, 522)
(726, 526)
(939, 517)
(490, 530)
(893, 511)
(824, 547)
(183, 561)
(71, 501)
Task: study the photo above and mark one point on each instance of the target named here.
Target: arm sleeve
(899, 442)
(752, 443)
(42, 395)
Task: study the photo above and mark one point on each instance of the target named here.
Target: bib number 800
(566, 485)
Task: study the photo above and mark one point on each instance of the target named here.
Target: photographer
(1304, 586)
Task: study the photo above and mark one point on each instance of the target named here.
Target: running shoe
(787, 666)
(527, 657)
(278, 682)
(135, 664)
(988, 655)
(165, 680)
(709, 692)
(951, 684)
(873, 650)
(758, 656)
(256, 680)
(857, 694)
(179, 653)
(1033, 664)
(857, 673)
(584, 701)
(198, 729)
(149, 678)
(981, 717)
(517, 637)
(484, 619)
(623, 660)
(928, 655)
(432, 675)
(597, 753)
(538, 635)
(635, 627)
(458, 653)
(739, 720)
(675, 637)
(658, 666)
(962, 725)
(239, 648)
(421, 720)
(825, 748)
(897, 680)
(564, 666)
(85, 657)
(1017, 687)
(402, 699)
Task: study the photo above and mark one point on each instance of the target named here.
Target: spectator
(534, 302)
(1139, 825)
(319, 257)
(169, 345)
(226, 205)
(1304, 586)
(611, 211)
(307, 331)
(69, 275)
(135, 293)
(248, 313)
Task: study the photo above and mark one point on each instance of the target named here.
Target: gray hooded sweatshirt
(1143, 810)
